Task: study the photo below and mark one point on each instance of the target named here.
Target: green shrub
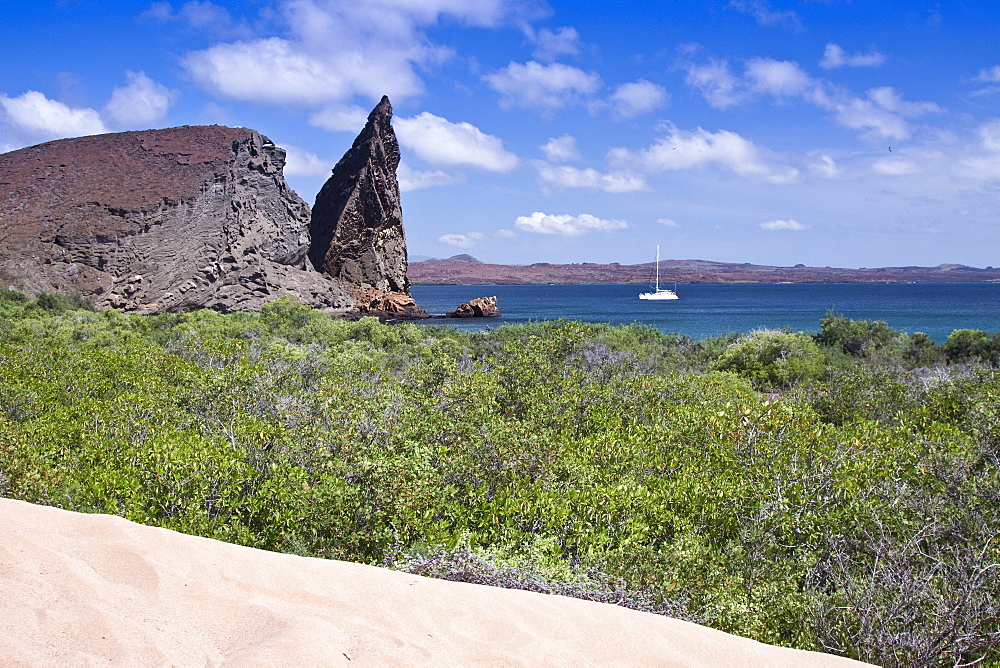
(8, 295)
(773, 358)
(58, 302)
(921, 350)
(864, 393)
(972, 344)
(860, 338)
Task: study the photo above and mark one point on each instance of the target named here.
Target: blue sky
(830, 133)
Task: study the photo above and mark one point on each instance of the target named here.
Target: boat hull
(659, 294)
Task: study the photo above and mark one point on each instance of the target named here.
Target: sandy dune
(96, 589)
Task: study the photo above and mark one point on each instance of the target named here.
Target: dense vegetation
(837, 491)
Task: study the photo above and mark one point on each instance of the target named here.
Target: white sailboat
(658, 292)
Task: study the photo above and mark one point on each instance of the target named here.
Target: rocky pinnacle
(357, 222)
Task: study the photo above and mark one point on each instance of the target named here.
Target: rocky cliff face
(196, 217)
(357, 221)
(159, 220)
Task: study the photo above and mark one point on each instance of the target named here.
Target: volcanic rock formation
(159, 220)
(357, 221)
(483, 307)
(193, 217)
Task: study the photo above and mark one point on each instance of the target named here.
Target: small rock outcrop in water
(357, 221)
(159, 220)
(483, 307)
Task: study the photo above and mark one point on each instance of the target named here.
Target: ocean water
(709, 310)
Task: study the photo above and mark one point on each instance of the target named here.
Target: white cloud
(413, 179)
(484, 13)
(438, 141)
(777, 77)
(206, 17)
(161, 11)
(549, 45)
(278, 71)
(561, 149)
(462, 240)
(346, 118)
(989, 75)
(300, 162)
(640, 97)
(895, 167)
(141, 102)
(330, 52)
(889, 99)
(565, 176)
(946, 162)
(668, 222)
(859, 114)
(566, 225)
(834, 56)
(989, 135)
(765, 16)
(35, 115)
(781, 225)
(715, 82)
(505, 234)
(826, 168)
(545, 86)
(883, 111)
(980, 168)
(683, 150)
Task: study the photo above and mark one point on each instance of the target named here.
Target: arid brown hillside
(465, 270)
(159, 220)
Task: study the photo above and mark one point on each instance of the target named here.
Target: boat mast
(657, 268)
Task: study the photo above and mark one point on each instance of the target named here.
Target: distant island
(467, 270)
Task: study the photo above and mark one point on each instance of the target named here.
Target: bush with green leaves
(860, 338)
(773, 358)
(972, 344)
(60, 302)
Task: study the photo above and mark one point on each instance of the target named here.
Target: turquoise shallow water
(709, 310)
